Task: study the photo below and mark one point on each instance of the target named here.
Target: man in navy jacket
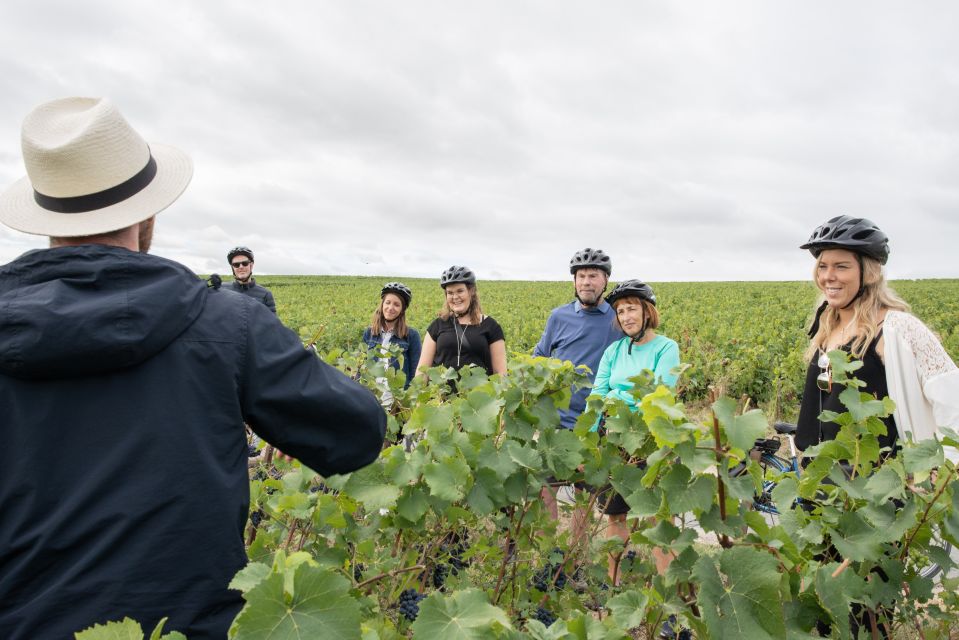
(241, 262)
(124, 386)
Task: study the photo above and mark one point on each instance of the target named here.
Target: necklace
(460, 337)
(842, 333)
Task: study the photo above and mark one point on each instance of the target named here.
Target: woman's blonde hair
(649, 311)
(876, 295)
(378, 323)
(475, 312)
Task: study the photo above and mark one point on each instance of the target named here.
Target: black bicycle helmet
(240, 251)
(594, 258)
(636, 288)
(399, 289)
(457, 274)
(845, 232)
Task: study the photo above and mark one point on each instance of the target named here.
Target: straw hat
(89, 172)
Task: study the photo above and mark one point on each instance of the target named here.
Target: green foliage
(452, 509)
(460, 490)
(743, 338)
(126, 629)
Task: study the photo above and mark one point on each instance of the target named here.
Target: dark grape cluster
(256, 517)
(440, 571)
(260, 475)
(252, 451)
(317, 488)
(409, 603)
(543, 580)
(544, 615)
(358, 570)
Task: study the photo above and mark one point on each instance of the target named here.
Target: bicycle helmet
(859, 235)
(399, 289)
(594, 258)
(456, 274)
(240, 251)
(636, 288)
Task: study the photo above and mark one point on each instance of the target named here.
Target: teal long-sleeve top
(660, 355)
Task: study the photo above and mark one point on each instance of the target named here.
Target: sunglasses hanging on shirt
(824, 379)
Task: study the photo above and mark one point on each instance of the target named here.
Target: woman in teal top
(642, 349)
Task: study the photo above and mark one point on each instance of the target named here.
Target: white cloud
(691, 141)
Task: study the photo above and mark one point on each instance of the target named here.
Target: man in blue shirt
(579, 332)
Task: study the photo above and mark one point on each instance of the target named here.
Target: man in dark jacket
(241, 262)
(123, 476)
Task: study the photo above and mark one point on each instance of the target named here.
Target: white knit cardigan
(922, 379)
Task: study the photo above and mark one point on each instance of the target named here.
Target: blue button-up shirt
(578, 334)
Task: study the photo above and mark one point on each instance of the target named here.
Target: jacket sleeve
(303, 406)
(412, 355)
(269, 302)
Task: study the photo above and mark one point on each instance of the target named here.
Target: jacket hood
(91, 309)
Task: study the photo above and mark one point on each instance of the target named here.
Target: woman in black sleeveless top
(815, 400)
(849, 256)
(902, 359)
(462, 335)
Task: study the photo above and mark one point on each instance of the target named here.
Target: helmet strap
(862, 281)
(638, 337)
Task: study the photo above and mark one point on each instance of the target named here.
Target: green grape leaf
(526, 457)
(249, 576)
(545, 410)
(885, 484)
(431, 418)
(561, 451)
(480, 413)
(372, 487)
(402, 468)
(125, 629)
(744, 430)
(496, 460)
(412, 505)
(740, 597)
(465, 615)
(487, 492)
(785, 493)
(665, 432)
(855, 539)
(861, 406)
(447, 479)
(629, 608)
(922, 458)
(319, 607)
(835, 594)
(644, 502)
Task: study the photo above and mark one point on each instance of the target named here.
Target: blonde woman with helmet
(860, 314)
(462, 335)
(388, 326)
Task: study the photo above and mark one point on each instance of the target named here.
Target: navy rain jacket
(124, 386)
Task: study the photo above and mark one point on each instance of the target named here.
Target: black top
(458, 345)
(810, 431)
(255, 291)
(124, 386)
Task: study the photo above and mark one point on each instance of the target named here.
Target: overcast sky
(690, 140)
